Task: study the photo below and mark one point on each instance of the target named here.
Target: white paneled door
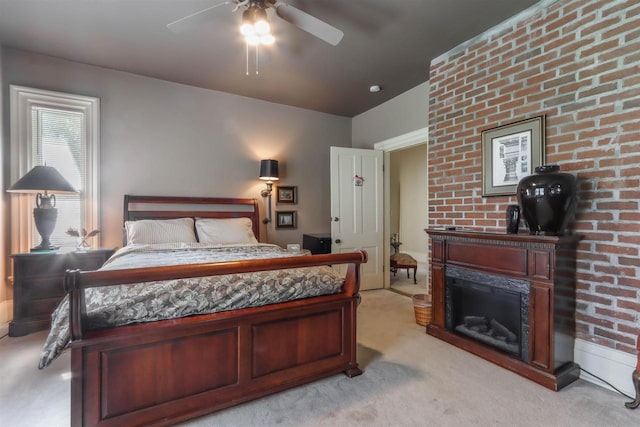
(356, 208)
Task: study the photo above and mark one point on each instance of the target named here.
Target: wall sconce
(269, 173)
(44, 179)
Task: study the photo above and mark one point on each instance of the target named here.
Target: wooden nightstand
(38, 284)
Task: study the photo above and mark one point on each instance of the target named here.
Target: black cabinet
(317, 243)
(38, 284)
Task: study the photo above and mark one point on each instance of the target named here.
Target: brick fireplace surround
(578, 63)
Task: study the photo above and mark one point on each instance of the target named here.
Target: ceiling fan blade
(308, 23)
(190, 21)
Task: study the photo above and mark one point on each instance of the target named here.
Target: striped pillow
(151, 231)
(225, 231)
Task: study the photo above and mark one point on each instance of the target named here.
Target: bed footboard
(167, 371)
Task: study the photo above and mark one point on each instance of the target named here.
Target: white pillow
(225, 231)
(151, 231)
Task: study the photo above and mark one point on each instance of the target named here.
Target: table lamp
(48, 180)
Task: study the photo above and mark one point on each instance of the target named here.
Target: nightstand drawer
(44, 287)
(41, 308)
(39, 266)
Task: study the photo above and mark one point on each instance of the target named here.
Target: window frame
(22, 99)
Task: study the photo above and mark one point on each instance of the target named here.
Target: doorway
(408, 219)
(406, 208)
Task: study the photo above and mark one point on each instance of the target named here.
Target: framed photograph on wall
(286, 219)
(509, 153)
(287, 194)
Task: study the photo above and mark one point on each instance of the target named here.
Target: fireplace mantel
(547, 263)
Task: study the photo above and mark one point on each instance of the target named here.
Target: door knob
(338, 241)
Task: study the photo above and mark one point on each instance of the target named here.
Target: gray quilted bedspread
(146, 302)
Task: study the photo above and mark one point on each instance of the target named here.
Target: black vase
(547, 200)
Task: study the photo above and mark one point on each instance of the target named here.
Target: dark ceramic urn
(547, 200)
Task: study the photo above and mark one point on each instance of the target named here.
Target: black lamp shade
(269, 170)
(44, 178)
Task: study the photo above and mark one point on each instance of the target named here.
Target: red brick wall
(578, 63)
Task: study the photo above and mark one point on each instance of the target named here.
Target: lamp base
(42, 248)
(45, 219)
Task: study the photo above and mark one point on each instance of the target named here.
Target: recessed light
(374, 88)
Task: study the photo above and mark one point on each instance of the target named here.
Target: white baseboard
(611, 365)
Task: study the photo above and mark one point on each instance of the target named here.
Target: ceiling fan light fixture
(260, 21)
(255, 27)
(259, 13)
(262, 27)
(247, 30)
(252, 40)
(267, 39)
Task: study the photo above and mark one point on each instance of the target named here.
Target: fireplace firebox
(509, 298)
(488, 308)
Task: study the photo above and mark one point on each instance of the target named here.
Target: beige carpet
(410, 379)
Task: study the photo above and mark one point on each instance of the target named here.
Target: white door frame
(407, 140)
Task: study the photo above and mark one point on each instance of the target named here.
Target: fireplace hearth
(508, 298)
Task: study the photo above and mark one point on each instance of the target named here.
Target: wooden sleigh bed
(163, 372)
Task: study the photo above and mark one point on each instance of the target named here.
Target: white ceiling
(386, 42)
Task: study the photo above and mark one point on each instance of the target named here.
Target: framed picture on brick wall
(509, 153)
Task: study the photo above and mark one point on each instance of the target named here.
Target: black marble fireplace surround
(488, 308)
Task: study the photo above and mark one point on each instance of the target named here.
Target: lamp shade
(269, 170)
(44, 178)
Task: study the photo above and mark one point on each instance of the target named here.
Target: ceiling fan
(255, 10)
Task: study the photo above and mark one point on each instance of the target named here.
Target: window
(59, 130)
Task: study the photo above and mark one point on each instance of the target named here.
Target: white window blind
(60, 130)
(57, 140)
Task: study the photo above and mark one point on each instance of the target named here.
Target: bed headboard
(167, 207)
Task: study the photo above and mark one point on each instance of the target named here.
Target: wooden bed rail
(76, 281)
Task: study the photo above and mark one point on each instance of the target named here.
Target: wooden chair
(401, 260)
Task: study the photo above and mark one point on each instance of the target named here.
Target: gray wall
(405, 113)
(163, 138)
(5, 314)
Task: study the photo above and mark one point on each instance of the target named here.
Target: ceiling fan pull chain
(257, 62)
(247, 56)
